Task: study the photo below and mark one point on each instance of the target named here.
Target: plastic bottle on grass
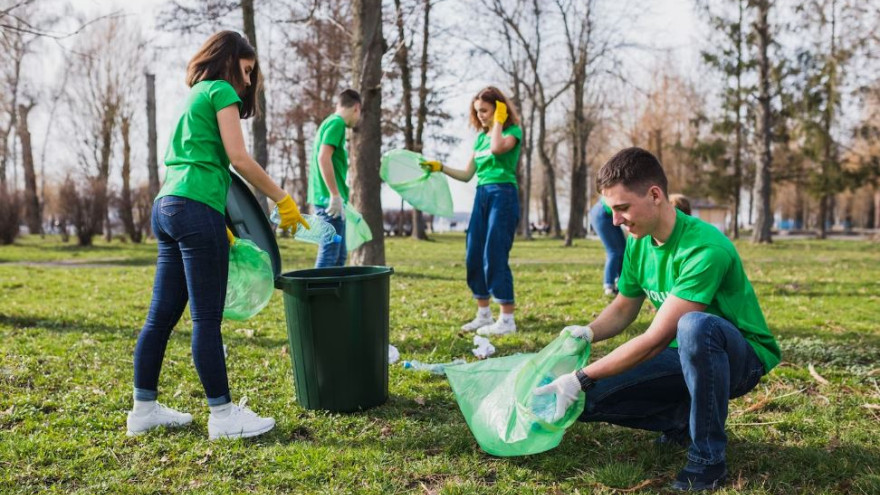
(320, 232)
(435, 368)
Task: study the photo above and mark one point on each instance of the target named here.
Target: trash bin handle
(319, 288)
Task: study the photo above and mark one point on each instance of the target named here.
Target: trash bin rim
(286, 279)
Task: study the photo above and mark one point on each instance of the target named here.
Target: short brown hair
(635, 168)
(218, 59)
(681, 202)
(491, 94)
(348, 98)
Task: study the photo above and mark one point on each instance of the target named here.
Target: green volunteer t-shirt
(698, 263)
(331, 132)
(196, 161)
(497, 169)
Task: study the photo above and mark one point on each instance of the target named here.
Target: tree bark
(126, 203)
(152, 154)
(764, 212)
(259, 128)
(31, 201)
(367, 49)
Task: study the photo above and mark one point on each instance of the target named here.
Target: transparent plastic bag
(496, 397)
(357, 231)
(251, 281)
(424, 190)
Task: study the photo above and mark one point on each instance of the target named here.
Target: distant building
(717, 215)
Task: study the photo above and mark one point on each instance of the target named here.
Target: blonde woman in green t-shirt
(495, 214)
(189, 224)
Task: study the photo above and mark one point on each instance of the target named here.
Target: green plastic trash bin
(337, 327)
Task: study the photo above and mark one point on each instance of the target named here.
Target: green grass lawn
(69, 318)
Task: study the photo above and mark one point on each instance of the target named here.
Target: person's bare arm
(229, 122)
(647, 345)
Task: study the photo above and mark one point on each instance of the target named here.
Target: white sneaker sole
(134, 433)
(243, 434)
(468, 328)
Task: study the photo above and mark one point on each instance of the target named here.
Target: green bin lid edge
(332, 274)
(247, 220)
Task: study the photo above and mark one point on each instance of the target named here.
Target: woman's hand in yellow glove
(431, 165)
(290, 215)
(500, 112)
(230, 237)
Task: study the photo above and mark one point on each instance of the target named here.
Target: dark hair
(348, 98)
(635, 168)
(491, 94)
(218, 59)
(681, 202)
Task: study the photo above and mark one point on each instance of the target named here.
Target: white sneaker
(477, 323)
(159, 416)
(241, 423)
(499, 327)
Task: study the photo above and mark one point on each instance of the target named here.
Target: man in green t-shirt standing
(328, 170)
(708, 342)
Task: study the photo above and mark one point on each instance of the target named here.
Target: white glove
(581, 332)
(334, 209)
(567, 389)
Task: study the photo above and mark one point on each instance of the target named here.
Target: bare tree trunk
(876, 208)
(737, 153)
(368, 46)
(302, 163)
(552, 212)
(108, 123)
(152, 155)
(31, 202)
(764, 213)
(526, 207)
(259, 128)
(126, 203)
(4, 149)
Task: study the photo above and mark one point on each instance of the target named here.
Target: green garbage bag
(428, 192)
(251, 280)
(497, 400)
(357, 231)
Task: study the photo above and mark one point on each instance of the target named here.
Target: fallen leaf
(420, 401)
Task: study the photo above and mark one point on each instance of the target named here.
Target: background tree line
(779, 120)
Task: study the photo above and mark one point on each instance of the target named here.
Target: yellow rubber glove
(290, 215)
(230, 236)
(500, 112)
(431, 165)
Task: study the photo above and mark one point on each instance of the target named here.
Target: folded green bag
(251, 280)
(497, 400)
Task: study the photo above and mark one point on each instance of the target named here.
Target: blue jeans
(687, 388)
(193, 265)
(489, 239)
(332, 253)
(613, 240)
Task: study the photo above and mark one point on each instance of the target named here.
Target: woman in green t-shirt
(495, 214)
(188, 221)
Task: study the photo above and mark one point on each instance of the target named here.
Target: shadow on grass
(56, 324)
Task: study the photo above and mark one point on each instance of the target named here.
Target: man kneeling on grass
(707, 344)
